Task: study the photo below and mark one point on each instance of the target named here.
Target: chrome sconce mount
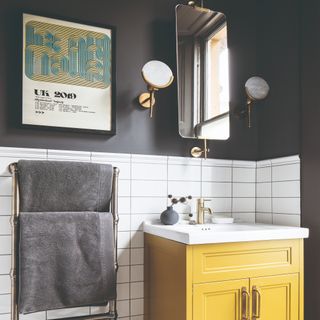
(256, 89)
(157, 75)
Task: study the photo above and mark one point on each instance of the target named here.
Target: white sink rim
(220, 233)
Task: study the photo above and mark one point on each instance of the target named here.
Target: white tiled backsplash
(264, 191)
(278, 191)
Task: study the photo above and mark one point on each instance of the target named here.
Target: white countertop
(222, 233)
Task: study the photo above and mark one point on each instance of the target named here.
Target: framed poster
(68, 75)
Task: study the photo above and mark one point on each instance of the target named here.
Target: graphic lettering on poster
(44, 103)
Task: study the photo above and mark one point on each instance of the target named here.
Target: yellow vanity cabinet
(225, 281)
(276, 297)
(221, 300)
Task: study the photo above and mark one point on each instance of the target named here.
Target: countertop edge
(286, 233)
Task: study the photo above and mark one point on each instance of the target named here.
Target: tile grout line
(130, 252)
(167, 163)
(232, 213)
(90, 159)
(47, 158)
(271, 170)
(201, 178)
(255, 201)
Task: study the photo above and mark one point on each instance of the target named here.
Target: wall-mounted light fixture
(197, 152)
(157, 75)
(256, 89)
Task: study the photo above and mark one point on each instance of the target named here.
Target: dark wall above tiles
(310, 152)
(145, 31)
(278, 61)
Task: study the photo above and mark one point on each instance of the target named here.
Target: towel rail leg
(14, 241)
(114, 208)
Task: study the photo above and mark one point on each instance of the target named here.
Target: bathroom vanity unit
(223, 272)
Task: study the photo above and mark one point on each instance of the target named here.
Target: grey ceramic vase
(169, 216)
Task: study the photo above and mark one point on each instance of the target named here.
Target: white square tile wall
(244, 191)
(278, 191)
(265, 191)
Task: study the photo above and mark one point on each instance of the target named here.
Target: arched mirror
(203, 73)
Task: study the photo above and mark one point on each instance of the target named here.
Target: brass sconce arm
(147, 99)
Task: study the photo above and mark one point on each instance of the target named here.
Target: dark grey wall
(288, 56)
(278, 61)
(310, 83)
(145, 31)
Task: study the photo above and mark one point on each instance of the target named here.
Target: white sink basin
(222, 233)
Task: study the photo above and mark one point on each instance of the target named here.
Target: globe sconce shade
(256, 89)
(157, 75)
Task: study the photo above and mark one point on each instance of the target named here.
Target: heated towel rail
(112, 313)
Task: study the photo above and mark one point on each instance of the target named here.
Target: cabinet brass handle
(245, 300)
(256, 303)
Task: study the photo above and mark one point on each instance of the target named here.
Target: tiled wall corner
(278, 191)
(265, 191)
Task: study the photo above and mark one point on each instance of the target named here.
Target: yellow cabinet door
(275, 298)
(225, 300)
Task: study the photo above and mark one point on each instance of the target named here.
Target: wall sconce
(197, 152)
(157, 75)
(256, 89)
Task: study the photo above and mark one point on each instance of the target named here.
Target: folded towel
(66, 260)
(64, 186)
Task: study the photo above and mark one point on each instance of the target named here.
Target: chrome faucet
(201, 210)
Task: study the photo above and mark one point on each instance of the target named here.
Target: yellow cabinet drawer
(247, 259)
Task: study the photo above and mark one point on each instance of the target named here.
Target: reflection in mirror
(203, 73)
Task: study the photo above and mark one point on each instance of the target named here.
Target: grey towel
(64, 186)
(66, 260)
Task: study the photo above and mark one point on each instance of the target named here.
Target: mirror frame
(198, 102)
